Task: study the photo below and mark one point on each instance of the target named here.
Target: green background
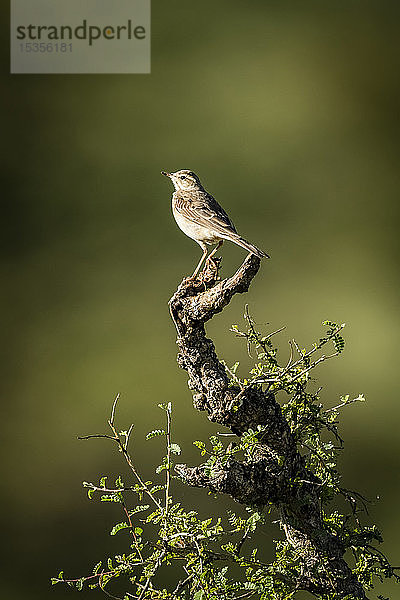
(289, 113)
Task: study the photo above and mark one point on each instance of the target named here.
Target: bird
(201, 218)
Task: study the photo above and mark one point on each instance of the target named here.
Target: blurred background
(289, 113)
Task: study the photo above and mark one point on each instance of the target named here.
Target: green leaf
(110, 498)
(118, 482)
(118, 527)
(338, 343)
(59, 579)
(330, 323)
(157, 488)
(139, 508)
(201, 446)
(155, 433)
(161, 468)
(154, 515)
(253, 520)
(175, 449)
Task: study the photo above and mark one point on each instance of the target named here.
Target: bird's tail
(250, 247)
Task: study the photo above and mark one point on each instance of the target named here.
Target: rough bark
(269, 477)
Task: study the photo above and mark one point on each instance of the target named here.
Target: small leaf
(157, 488)
(338, 343)
(175, 449)
(118, 527)
(118, 482)
(199, 444)
(155, 433)
(139, 509)
(110, 498)
(329, 323)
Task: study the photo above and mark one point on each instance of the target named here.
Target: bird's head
(184, 180)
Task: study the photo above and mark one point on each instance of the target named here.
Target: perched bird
(200, 216)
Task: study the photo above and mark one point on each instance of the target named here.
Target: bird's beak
(166, 174)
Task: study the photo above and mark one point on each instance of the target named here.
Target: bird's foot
(210, 272)
(205, 279)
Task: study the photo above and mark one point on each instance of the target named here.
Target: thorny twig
(123, 447)
(168, 470)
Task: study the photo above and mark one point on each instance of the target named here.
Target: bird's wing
(204, 210)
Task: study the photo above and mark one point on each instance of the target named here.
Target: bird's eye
(183, 176)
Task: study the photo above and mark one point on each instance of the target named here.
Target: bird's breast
(193, 230)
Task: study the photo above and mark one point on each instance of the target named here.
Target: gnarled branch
(270, 476)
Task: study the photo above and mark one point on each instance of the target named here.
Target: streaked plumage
(201, 218)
